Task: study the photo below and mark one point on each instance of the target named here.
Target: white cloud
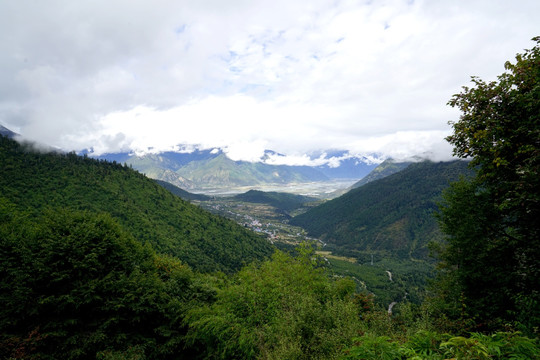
(295, 77)
(406, 145)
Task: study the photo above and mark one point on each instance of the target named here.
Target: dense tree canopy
(34, 180)
(75, 284)
(392, 215)
(492, 223)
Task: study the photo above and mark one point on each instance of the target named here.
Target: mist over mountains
(196, 169)
(203, 170)
(6, 132)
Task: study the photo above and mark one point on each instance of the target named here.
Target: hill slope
(34, 181)
(393, 214)
(386, 168)
(186, 195)
(279, 200)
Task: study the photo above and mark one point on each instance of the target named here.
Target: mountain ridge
(199, 170)
(222, 171)
(34, 181)
(392, 214)
(386, 168)
(4, 131)
(279, 200)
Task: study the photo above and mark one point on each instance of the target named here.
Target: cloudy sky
(293, 76)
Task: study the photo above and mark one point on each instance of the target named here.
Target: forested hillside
(35, 181)
(279, 200)
(186, 195)
(392, 215)
(387, 167)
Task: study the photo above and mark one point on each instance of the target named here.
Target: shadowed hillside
(279, 200)
(393, 214)
(186, 195)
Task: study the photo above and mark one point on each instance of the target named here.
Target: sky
(297, 77)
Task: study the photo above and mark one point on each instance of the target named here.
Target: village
(261, 218)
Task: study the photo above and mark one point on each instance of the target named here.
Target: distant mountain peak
(7, 133)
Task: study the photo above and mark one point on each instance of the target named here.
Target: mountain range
(389, 210)
(200, 170)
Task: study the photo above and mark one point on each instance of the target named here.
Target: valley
(321, 189)
(363, 229)
(370, 274)
(260, 218)
(354, 256)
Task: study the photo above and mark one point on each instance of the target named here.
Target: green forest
(186, 195)
(284, 202)
(392, 215)
(34, 182)
(99, 262)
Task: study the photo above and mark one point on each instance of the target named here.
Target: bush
(284, 308)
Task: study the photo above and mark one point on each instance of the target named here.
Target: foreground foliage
(76, 285)
(73, 284)
(284, 308)
(490, 273)
(426, 345)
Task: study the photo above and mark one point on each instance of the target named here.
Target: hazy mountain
(222, 171)
(340, 164)
(393, 214)
(387, 167)
(6, 132)
(352, 168)
(162, 166)
(349, 167)
(35, 182)
(201, 169)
